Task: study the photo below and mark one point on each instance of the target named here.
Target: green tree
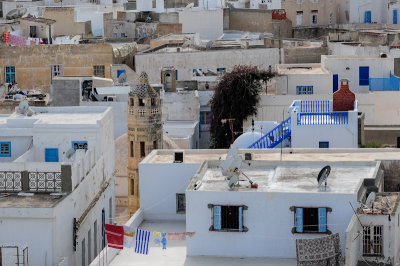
(236, 97)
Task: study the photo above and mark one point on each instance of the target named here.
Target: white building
(187, 59)
(358, 69)
(373, 233)
(298, 79)
(56, 168)
(286, 182)
(265, 4)
(368, 11)
(147, 5)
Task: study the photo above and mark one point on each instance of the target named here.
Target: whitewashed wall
(208, 23)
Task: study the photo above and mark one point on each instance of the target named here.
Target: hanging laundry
(129, 233)
(6, 37)
(164, 240)
(115, 236)
(157, 238)
(176, 236)
(142, 241)
(17, 40)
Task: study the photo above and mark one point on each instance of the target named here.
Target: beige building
(311, 12)
(144, 133)
(37, 27)
(33, 67)
(65, 22)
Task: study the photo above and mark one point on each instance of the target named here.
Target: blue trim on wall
(51, 155)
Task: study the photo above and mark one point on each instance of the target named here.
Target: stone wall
(391, 170)
(304, 55)
(33, 63)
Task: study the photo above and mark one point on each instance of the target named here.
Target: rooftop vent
(178, 157)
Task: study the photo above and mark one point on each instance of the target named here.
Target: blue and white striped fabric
(142, 241)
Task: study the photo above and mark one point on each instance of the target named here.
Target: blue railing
(331, 118)
(274, 137)
(315, 106)
(384, 84)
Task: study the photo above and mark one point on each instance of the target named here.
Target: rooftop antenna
(323, 176)
(16, 13)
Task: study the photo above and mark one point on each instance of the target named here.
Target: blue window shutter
(299, 220)
(240, 219)
(322, 220)
(51, 155)
(176, 74)
(335, 82)
(394, 16)
(217, 217)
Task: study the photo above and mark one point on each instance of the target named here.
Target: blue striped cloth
(142, 241)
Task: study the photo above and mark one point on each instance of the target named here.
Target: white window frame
(375, 239)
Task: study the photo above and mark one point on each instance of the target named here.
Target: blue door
(364, 76)
(335, 82)
(51, 155)
(394, 16)
(367, 17)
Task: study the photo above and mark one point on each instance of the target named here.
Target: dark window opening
(310, 219)
(180, 203)
(32, 31)
(141, 102)
(132, 187)
(153, 102)
(229, 217)
(99, 71)
(131, 149)
(324, 144)
(155, 145)
(132, 102)
(142, 149)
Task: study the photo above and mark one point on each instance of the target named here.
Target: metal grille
(372, 240)
(45, 182)
(154, 111)
(10, 181)
(230, 217)
(99, 71)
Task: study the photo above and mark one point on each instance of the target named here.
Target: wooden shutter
(322, 220)
(299, 220)
(217, 217)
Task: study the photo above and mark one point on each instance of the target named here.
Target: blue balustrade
(315, 106)
(274, 137)
(331, 118)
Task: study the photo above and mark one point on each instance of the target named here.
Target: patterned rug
(319, 251)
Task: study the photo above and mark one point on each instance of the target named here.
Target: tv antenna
(323, 176)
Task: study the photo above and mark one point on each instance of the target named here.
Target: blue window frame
(9, 72)
(5, 149)
(367, 17)
(394, 16)
(80, 145)
(304, 90)
(310, 220)
(123, 35)
(176, 74)
(115, 35)
(363, 76)
(120, 72)
(335, 82)
(221, 70)
(51, 155)
(228, 218)
(324, 144)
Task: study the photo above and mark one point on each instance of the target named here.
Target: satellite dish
(209, 45)
(370, 200)
(23, 107)
(16, 13)
(231, 167)
(70, 153)
(122, 78)
(323, 176)
(189, 6)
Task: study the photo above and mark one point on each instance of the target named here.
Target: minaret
(144, 133)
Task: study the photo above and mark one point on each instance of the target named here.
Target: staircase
(274, 137)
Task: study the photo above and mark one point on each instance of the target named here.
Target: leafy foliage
(236, 96)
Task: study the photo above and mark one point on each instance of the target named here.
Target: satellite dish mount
(323, 176)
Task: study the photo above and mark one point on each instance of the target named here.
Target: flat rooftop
(285, 69)
(57, 116)
(175, 254)
(292, 177)
(309, 155)
(37, 200)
